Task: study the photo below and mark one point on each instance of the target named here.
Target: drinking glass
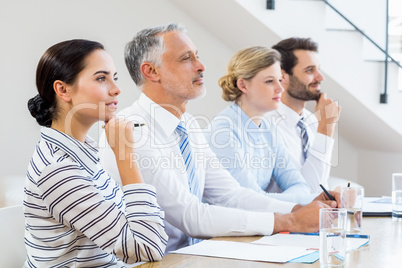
(352, 200)
(332, 237)
(397, 197)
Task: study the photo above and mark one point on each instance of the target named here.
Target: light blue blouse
(253, 154)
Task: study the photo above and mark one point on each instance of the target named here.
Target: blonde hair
(245, 63)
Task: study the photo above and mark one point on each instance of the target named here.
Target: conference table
(383, 250)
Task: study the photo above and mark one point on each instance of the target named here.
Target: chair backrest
(333, 182)
(12, 232)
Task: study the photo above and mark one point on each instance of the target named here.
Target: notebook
(377, 206)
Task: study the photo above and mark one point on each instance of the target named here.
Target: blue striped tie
(188, 158)
(304, 136)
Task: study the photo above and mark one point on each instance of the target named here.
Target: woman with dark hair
(76, 214)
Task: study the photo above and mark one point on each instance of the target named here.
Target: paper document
(377, 206)
(309, 241)
(244, 251)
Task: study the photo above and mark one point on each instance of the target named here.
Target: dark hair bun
(40, 110)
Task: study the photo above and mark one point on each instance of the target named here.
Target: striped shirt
(76, 215)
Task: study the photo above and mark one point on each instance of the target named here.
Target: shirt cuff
(306, 199)
(262, 223)
(322, 148)
(280, 206)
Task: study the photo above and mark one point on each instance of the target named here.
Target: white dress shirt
(76, 215)
(231, 210)
(316, 167)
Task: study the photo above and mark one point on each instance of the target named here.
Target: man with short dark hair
(307, 136)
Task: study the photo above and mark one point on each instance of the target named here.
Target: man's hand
(324, 198)
(302, 219)
(327, 113)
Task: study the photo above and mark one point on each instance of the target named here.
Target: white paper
(307, 241)
(244, 251)
(377, 204)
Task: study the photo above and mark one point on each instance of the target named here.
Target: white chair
(12, 229)
(333, 182)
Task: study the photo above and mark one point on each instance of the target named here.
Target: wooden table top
(384, 250)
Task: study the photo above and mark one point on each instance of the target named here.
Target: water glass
(397, 197)
(332, 237)
(352, 200)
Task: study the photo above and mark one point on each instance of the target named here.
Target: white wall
(371, 21)
(344, 160)
(375, 170)
(28, 28)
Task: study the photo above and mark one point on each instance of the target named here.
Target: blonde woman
(246, 144)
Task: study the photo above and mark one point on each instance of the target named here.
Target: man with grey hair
(199, 197)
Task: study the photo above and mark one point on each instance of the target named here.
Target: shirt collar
(245, 120)
(84, 153)
(246, 125)
(290, 117)
(165, 119)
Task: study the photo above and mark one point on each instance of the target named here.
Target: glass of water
(352, 200)
(397, 197)
(332, 237)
